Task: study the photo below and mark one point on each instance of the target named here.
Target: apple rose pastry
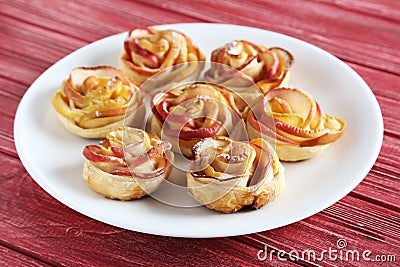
(93, 101)
(188, 113)
(228, 175)
(302, 130)
(149, 51)
(128, 164)
(243, 64)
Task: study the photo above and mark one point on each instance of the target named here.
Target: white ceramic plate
(53, 156)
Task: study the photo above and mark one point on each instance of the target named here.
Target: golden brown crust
(189, 113)
(106, 166)
(148, 52)
(298, 128)
(101, 132)
(230, 193)
(260, 65)
(94, 101)
(111, 186)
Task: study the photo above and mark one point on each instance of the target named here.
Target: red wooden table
(37, 230)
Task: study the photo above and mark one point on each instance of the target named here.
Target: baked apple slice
(243, 63)
(93, 101)
(149, 51)
(188, 113)
(128, 164)
(228, 175)
(302, 129)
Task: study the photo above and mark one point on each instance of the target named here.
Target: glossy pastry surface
(93, 101)
(302, 129)
(128, 164)
(228, 175)
(257, 64)
(149, 51)
(189, 113)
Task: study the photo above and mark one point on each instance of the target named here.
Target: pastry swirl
(93, 101)
(128, 164)
(149, 51)
(228, 175)
(302, 129)
(188, 113)
(257, 64)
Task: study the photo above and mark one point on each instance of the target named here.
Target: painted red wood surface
(37, 230)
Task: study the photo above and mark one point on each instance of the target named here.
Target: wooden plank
(379, 188)
(35, 224)
(26, 43)
(385, 9)
(60, 222)
(20, 70)
(9, 257)
(363, 33)
(390, 112)
(363, 218)
(7, 114)
(382, 83)
(57, 28)
(50, 224)
(388, 160)
(346, 31)
(82, 20)
(362, 225)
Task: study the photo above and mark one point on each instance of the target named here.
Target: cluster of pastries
(235, 127)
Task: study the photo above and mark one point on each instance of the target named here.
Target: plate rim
(48, 188)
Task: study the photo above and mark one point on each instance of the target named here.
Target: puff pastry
(128, 164)
(243, 63)
(302, 129)
(93, 101)
(149, 51)
(228, 175)
(188, 113)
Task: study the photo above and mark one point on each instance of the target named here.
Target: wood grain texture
(37, 216)
(347, 32)
(361, 224)
(33, 223)
(9, 257)
(37, 230)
